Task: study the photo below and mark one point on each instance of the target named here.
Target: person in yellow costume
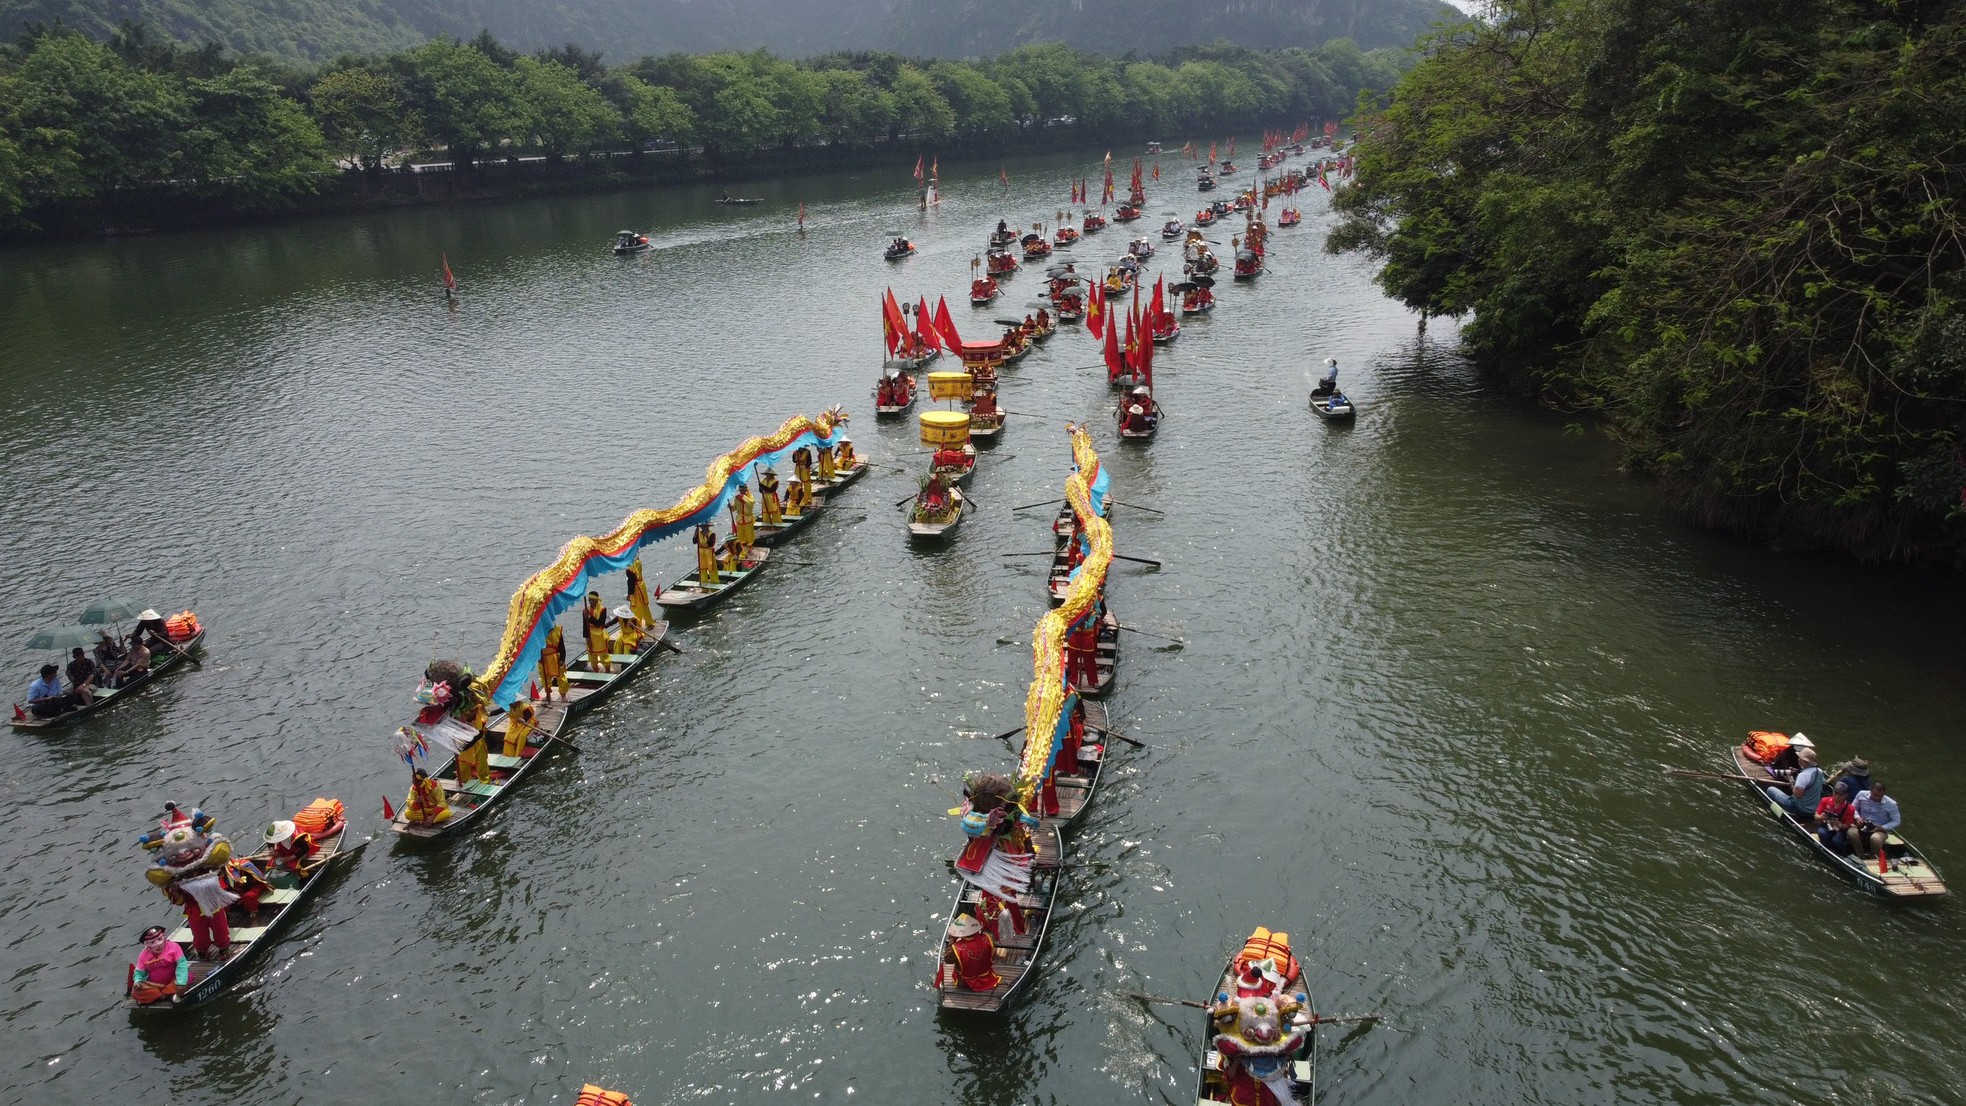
(843, 455)
(594, 623)
(471, 764)
(705, 540)
(553, 664)
(743, 514)
(730, 555)
(798, 499)
(426, 805)
(638, 594)
(520, 718)
(802, 464)
(768, 502)
(826, 471)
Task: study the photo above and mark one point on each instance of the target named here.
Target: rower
(705, 540)
(1044, 319)
(553, 664)
(843, 456)
(638, 595)
(827, 472)
(768, 502)
(972, 955)
(288, 849)
(742, 516)
(521, 718)
(1328, 383)
(426, 805)
(594, 623)
(730, 555)
(1082, 651)
(802, 464)
(798, 497)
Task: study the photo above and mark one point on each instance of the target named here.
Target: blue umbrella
(119, 609)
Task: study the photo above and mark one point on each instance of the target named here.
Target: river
(1433, 665)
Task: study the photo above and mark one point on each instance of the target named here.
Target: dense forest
(317, 30)
(1732, 229)
(86, 126)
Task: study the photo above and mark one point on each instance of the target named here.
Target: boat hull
(1911, 879)
(686, 595)
(162, 661)
(1017, 956)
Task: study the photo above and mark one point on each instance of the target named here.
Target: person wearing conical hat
(798, 497)
(705, 540)
(769, 505)
(520, 720)
(594, 623)
(743, 514)
(973, 954)
(287, 848)
(843, 456)
(638, 593)
(553, 664)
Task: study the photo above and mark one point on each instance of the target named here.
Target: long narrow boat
(931, 531)
(841, 478)
(1015, 955)
(1105, 657)
(1911, 877)
(1212, 1088)
(770, 535)
(689, 594)
(961, 474)
(1075, 791)
(249, 936)
(161, 661)
(597, 685)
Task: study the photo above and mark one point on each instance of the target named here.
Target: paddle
(1028, 506)
(1027, 414)
(1121, 736)
(1137, 560)
(1316, 1019)
(1137, 507)
(1008, 734)
(1149, 633)
(1687, 773)
(1050, 554)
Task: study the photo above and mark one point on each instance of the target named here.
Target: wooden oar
(1149, 633)
(1316, 1019)
(1136, 507)
(1027, 414)
(1028, 506)
(671, 646)
(1122, 737)
(1687, 773)
(1052, 553)
(1137, 560)
(1008, 734)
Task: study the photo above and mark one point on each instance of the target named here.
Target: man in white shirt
(1877, 818)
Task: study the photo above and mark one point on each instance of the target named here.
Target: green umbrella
(119, 609)
(64, 638)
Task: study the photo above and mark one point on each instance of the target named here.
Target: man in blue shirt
(45, 698)
(1877, 817)
(1805, 791)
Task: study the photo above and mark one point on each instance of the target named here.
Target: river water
(1432, 666)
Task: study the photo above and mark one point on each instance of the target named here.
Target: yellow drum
(951, 385)
(949, 428)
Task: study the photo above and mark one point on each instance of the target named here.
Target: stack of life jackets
(1763, 746)
(590, 1095)
(182, 626)
(319, 816)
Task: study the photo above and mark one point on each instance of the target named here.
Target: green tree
(469, 104)
(364, 114)
(85, 122)
(980, 106)
(650, 112)
(249, 143)
(856, 112)
(565, 114)
(919, 108)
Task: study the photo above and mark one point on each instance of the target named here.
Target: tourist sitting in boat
(287, 849)
(1044, 320)
(108, 653)
(136, 662)
(426, 805)
(1805, 791)
(1834, 817)
(83, 673)
(46, 699)
(594, 623)
(1787, 760)
(1877, 818)
(973, 955)
(1328, 383)
(798, 498)
(1140, 410)
(1855, 772)
(161, 970)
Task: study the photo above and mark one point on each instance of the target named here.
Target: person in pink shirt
(161, 970)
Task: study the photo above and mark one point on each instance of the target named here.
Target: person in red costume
(1081, 653)
(947, 458)
(974, 955)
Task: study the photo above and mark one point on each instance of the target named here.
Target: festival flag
(925, 325)
(946, 326)
(1109, 161)
(450, 282)
(1113, 361)
(1095, 308)
(1145, 369)
(1106, 194)
(918, 168)
(1156, 168)
(1232, 145)
(935, 169)
(388, 812)
(1161, 314)
(1189, 149)
(893, 323)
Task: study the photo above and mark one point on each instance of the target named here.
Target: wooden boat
(1290, 217)
(983, 291)
(597, 685)
(1221, 207)
(1212, 1087)
(1015, 955)
(1003, 237)
(1142, 248)
(161, 661)
(841, 478)
(1227, 168)
(1249, 265)
(1166, 330)
(773, 535)
(1035, 247)
(1204, 183)
(1145, 434)
(898, 249)
(1093, 221)
(984, 430)
(961, 474)
(1911, 877)
(1075, 791)
(628, 241)
(1173, 229)
(1204, 217)
(689, 594)
(1000, 264)
(942, 527)
(1126, 213)
(913, 362)
(885, 407)
(1064, 236)
(250, 937)
(738, 201)
(1333, 407)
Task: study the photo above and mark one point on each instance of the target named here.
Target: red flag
(1095, 308)
(1232, 145)
(925, 325)
(1132, 337)
(1113, 359)
(1160, 300)
(918, 168)
(1211, 153)
(1156, 168)
(450, 281)
(1145, 368)
(388, 812)
(946, 326)
(893, 324)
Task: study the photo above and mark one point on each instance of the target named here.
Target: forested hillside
(315, 30)
(1732, 229)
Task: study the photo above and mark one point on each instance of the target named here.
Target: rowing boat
(1334, 407)
(599, 685)
(1075, 791)
(841, 478)
(161, 661)
(775, 534)
(1911, 876)
(250, 935)
(945, 526)
(1016, 955)
(1297, 1065)
(689, 593)
(960, 474)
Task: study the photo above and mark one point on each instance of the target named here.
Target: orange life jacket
(318, 815)
(1264, 945)
(182, 626)
(590, 1095)
(1763, 746)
